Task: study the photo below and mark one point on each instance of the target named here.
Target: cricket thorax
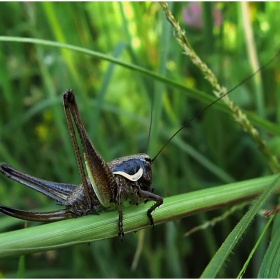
(127, 191)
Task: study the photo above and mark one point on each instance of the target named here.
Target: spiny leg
(158, 199)
(68, 96)
(57, 215)
(54, 190)
(100, 175)
(120, 211)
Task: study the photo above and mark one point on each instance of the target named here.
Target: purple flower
(217, 15)
(192, 15)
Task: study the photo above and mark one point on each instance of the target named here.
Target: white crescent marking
(133, 177)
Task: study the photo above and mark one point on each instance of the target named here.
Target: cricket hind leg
(57, 191)
(52, 216)
(60, 192)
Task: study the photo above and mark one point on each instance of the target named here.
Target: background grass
(115, 103)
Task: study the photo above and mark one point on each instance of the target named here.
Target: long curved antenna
(151, 124)
(200, 113)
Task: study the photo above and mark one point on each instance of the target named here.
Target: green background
(115, 103)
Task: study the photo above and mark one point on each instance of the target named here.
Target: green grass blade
(271, 261)
(233, 238)
(21, 267)
(242, 271)
(90, 228)
(199, 95)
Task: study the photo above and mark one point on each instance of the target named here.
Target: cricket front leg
(158, 199)
(120, 211)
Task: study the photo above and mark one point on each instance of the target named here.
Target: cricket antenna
(204, 109)
(151, 123)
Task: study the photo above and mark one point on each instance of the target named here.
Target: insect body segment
(125, 178)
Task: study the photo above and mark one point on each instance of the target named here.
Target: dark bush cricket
(125, 178)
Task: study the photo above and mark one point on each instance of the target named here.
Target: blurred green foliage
(115, 103)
